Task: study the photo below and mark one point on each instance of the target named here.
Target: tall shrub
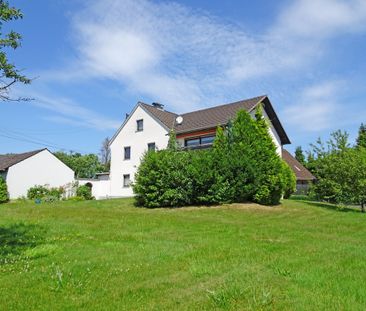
(4, 195)
(163, 179)
(242, 166)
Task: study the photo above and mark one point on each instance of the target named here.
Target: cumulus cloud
(187, 58)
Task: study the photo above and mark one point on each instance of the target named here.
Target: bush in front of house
(242, 166)
(37, 192)
(84, 192)
(45, 193)
(4, 195)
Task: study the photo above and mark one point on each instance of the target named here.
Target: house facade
(147, 127)
(25, 170)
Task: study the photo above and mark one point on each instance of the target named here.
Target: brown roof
(165, 117)
(212, 117)
(300, 171)
(215, 116)
(8, 160)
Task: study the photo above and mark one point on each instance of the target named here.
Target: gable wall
(41, 169)
(128, 136)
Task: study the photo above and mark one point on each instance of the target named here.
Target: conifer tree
(299, 155)
(361, 139)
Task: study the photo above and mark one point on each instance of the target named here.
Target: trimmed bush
(4, 195)
(84, 192)
(242, 166)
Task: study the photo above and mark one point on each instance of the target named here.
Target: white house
(148, 127)
(40, 167)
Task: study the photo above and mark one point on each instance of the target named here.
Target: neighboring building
(303, 177)
(148, 127)
(40, 167)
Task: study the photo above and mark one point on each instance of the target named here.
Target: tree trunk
(362, 207)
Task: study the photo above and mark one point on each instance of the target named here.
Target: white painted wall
(153, 132)
(101, 187)
(41, 169)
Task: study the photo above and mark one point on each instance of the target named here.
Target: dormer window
(140, 125)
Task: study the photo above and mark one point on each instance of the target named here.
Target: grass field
(109, 255)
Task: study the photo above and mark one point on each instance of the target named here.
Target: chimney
(158, 106)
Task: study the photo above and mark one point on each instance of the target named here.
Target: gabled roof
(301, 172)
(215, 116)
(165, 117)
(8, 160)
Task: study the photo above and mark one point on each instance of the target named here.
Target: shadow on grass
(17, 238)
(333, 207)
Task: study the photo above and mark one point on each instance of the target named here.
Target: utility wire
(38, 142)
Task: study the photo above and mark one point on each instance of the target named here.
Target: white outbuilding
(40, 167)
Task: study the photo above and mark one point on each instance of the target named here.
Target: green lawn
(109, 255)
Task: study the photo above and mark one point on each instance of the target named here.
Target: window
(127, 153)
(151, 147)
(192, 142)
(205, 140)
(140, 125)
(126, 180)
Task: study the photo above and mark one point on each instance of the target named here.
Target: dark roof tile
(214, 116)
(300, 171)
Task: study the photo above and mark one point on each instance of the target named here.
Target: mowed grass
(110, 255)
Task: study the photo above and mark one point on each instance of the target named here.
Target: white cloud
(316, 108)
(319, 19)
(185, 57)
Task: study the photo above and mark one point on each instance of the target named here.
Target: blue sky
(93, 60)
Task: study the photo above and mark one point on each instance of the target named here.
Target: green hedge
(4, 195)
(242, 166)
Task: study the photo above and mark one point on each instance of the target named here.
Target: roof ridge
(162, 110)
(22, 153)
(228, 104)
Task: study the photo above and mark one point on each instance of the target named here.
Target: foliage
(37, 192)
(4, 195)
(243, 165)
(8, 72)
(172, 143)
(289, 181)
(361, 139)
(84, 166)
(299, 155)
(45, 193)
(84, 192)
(340, 171)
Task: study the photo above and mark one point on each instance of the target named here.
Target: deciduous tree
(8, 71)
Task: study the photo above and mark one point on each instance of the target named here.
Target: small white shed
(40, 167)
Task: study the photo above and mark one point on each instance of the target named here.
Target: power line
(38, 142)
